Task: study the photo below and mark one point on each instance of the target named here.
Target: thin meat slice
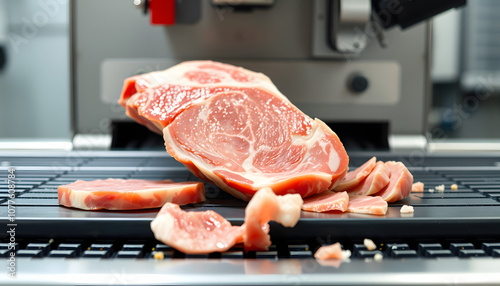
(354, 178)
(333, 251)
(374, 183)
(233, 127)
(327, 201)
(119, 194)
(374, 205)
(264, 207)
(195, 232)
(400, 185)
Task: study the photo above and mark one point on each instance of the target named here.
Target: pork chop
(233, 127)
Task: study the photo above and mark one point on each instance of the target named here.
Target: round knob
(358, 83)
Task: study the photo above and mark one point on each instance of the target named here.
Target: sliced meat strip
(374, 183)
(354, 178)
(195, 232)
(327, 201)
(264, 207)
(119, 194)
(400, 185)
(417, 187)
(367, 205)
(333, 251)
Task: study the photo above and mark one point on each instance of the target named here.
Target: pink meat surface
(377, 180)
(154, 99)
(233, 127)
(327, 201)
(354, 178)
(195, 232)
(206, 232)
(367, 205)
(417, 187)
(400, 185)
(333, 251)
(264, 207)
(118, 194)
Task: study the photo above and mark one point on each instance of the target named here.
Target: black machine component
(130, 135)
(406, 13)
(358, 83)
(3, 57)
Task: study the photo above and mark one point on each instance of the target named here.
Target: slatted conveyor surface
(453, 235)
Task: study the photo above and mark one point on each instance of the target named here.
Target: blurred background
(35, 71)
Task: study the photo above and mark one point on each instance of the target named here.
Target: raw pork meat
(367, 205)
(333, 251)
(375, 182)
(401, 181)
(118, 194)
(390, 181)
(417, 187)
(327, 201)
(233, 127)
(205, 232)
(264, 207)
(195, 232)
(354, 178)
(155, 99)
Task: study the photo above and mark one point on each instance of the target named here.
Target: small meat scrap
(354, 178)
(327, 201)
(374, 183)
(367, 205)
(406, 209)
(333, 251)
(417, 187)
(195, 232)
(369, 244)
(264, 207)
(119, 194)
(440, 188)
(158, 255)
(401, 181)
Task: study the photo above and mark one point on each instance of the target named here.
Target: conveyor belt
(457, 226)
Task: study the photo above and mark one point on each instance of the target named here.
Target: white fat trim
(163, 227)
(290, 209)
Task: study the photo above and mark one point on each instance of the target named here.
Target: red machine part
(162, 12)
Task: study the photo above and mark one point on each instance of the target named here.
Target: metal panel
(277, 41)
